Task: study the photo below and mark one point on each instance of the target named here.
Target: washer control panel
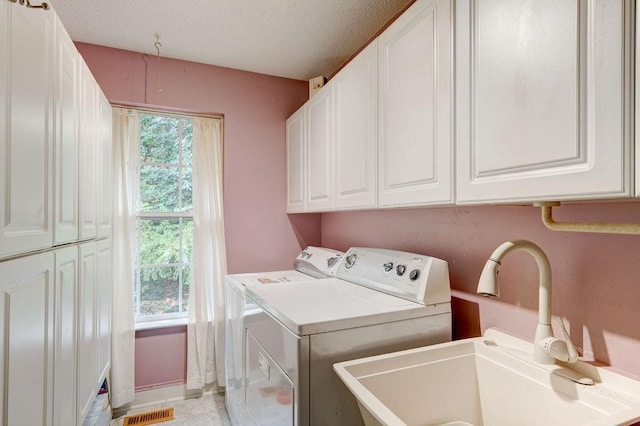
(415, 277)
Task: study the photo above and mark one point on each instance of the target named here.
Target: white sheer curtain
(205, 329)
(126, 129)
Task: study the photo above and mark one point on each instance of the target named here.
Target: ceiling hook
(158, 45)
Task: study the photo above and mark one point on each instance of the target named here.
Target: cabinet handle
(43, 5)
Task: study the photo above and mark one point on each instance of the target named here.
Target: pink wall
(259, 234)
(168, 369)
(596, 277)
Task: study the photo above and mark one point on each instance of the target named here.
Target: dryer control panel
(318, 262)
(415, 277)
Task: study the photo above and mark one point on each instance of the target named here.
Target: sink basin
(490, 380)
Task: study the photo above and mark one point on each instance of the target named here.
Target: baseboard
(159, 395)
(163, 394)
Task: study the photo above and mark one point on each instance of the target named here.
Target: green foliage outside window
(165, 223)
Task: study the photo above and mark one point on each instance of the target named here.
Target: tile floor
(208, 410)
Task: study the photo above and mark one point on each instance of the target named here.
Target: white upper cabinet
(89, 151)
(416, 107)
(296, 142)
(355, 101)
(319, 161)
(26, 130)
(543, 100)
(66, 138)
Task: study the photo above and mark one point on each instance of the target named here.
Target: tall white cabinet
(543, 100)
(55, 156)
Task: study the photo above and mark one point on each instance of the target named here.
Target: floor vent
(149, 418)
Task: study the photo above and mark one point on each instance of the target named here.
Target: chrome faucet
(546, 348)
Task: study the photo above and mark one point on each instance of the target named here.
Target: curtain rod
(169, 112)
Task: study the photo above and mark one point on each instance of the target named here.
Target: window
(164, 217)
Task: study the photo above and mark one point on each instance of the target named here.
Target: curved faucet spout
(488, 285)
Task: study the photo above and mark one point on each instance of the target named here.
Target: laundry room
(211, 208)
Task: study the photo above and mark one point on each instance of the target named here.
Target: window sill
(152, 325)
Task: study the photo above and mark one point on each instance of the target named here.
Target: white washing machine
(311, 263)
(381, 301)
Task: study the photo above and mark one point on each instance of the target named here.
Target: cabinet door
(105, 206)
(355, 92)
(66, 138)
(319, 151)
(416, 107)
(87, 379)
(296, 143)
(104, 285)
(26, 115)
(26, 334)
(66, 291)
(543, 100)
(88, 156)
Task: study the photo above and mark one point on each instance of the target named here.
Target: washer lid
(332, 304)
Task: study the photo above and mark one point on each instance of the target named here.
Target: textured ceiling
(298, 39)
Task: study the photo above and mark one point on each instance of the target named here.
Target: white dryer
(311, 263)
(381, 301)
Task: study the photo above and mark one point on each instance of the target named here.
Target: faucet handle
(571, 349)
(562, 350)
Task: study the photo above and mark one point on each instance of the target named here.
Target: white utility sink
(491, 381)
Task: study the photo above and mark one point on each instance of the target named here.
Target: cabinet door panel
(26, 129)
(526, 116)
(66, 138)
(355, 113)
(26, 309)
(319, 151)
(66, 291)
(103, 292)
(105, 206)
(543, 109)
(87, 382)
(89, 149)
(415, 127)
(296, 142)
